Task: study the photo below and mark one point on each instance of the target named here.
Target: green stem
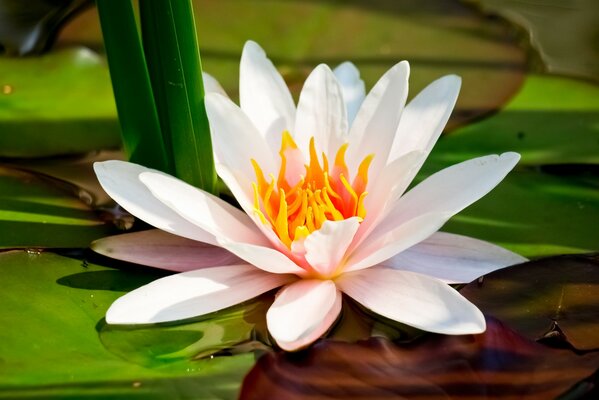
(173, 57)
(140, 126)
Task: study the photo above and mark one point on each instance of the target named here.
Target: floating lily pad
(437, 37)
(563, 32)
(499, 363)
(532, 298)
(552, 120)
(54, 307)
(60, 103)
(42, 212)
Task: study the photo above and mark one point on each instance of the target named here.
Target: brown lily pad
(499, 363)
(545, 297)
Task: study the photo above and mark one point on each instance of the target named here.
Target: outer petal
(321, 113)
(413, 299)
(191, 294)
(211, 85)
(264, 96)
(302, 312)
(375, 125)
(430, 204)
(352, 87)
(326, 247)
(120, 180)
(156, 248)
(454, 258)
(425, 117)
(203, 209)
(235, 139)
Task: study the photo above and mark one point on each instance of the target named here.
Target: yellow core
(320, 195)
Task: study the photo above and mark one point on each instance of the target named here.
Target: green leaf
(552, 120)
(556, 295)
(140, 127)
(170, 43)
(60, 103)
(42, 212)
(58, 345)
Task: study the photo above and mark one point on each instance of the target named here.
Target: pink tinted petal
(207, 211)
(302, 312)
(264, 96)
(321, 113)
(326, 247)
(193, 293)
(121, 181)
(413, 299)
(454, 258)
(156, 248)
(373, 130)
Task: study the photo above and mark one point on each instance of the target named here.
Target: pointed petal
(156, 248)
(211, 85)
(235, 139)
(121, 181)
(263, 257)
(264, 96)
(352, 87)
(425, 117)
(425, 208)
(375, 125)
(413, 299)
(207, 211)
(321, 113)
(193, 293)
(326, 247)
(302, 312)
(453, 258)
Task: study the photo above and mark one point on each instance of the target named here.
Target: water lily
(325, 211)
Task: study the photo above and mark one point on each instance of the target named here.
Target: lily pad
(42, 212)
(556, 294)
(60, 103)
(564, 33)
(437, 37)
(499, 363)
(55, 305)
(552, 120)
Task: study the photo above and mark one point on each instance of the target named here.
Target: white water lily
(325, 209)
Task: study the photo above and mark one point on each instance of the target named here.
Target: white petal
(211, 85)
(120, 180)
(375, 125)
(156, 248)
(454, 258)
(413, 299)
(321, 113)
(210, 213)
(425, 116)
(431, 203)
(302, 312)
(264, 96)
(326, 247)
(193, 293)
(263, 257)
(235, 139)
(352, 87)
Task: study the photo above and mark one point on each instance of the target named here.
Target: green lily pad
(60, 103)
(56, 342)
(552, 120)
(564, 33)
(42, 212)
(437, 37)
(540, 297)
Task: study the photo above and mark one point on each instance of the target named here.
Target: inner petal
(298, 201)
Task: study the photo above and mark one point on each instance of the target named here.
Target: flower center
(294, 210)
